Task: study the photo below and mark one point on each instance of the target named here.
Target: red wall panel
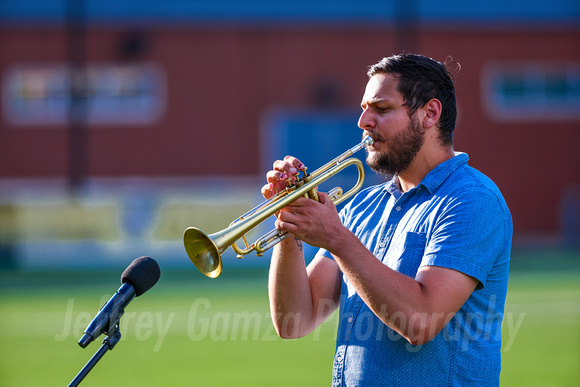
(220, 83)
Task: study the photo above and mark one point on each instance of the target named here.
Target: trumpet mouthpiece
(368, 141)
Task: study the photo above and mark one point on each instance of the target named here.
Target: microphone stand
(108, 344)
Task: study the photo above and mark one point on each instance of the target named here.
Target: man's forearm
(417, 308)
(289, 290)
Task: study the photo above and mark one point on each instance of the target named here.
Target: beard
(403, 148)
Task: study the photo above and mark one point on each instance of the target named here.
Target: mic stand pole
(108, 343)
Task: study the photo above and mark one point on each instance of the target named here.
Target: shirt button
(350, 319)
(398, 208)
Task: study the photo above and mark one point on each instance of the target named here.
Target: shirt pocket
(406, 254)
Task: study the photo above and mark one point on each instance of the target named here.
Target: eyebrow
(376, 101)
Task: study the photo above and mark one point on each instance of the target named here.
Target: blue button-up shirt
(455, 218)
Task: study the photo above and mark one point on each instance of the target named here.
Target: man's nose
(365, 120)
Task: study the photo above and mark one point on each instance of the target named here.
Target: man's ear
(432, 113)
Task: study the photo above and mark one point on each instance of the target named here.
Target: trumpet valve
(312, 194)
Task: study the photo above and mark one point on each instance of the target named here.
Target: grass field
(192, 331)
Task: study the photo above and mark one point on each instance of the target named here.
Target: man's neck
(423, 163)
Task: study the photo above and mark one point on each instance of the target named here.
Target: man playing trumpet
(418, 266)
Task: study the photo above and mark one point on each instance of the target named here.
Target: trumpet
(205, 251)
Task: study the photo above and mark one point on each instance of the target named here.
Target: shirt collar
(434, 178)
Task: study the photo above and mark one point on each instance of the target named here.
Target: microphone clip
(109, 342)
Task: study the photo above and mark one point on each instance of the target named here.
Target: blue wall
(309, 12)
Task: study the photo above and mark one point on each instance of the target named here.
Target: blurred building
(201, 90)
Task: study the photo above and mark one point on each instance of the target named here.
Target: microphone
(137, 278)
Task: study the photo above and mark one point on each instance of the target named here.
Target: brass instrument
(205, 251)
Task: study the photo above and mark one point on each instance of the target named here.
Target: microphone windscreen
(142, 273)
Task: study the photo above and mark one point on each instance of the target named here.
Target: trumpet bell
(203, 252)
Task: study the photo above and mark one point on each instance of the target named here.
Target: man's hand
(282, 175)
(315, 223)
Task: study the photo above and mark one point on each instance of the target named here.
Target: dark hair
(421, 79)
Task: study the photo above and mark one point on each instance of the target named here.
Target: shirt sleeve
(470, 234)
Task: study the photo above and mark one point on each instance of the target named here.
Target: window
(532, 90)
(41, 95)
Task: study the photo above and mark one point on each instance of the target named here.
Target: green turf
(189, 331)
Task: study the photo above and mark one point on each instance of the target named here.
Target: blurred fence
(44, 226)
